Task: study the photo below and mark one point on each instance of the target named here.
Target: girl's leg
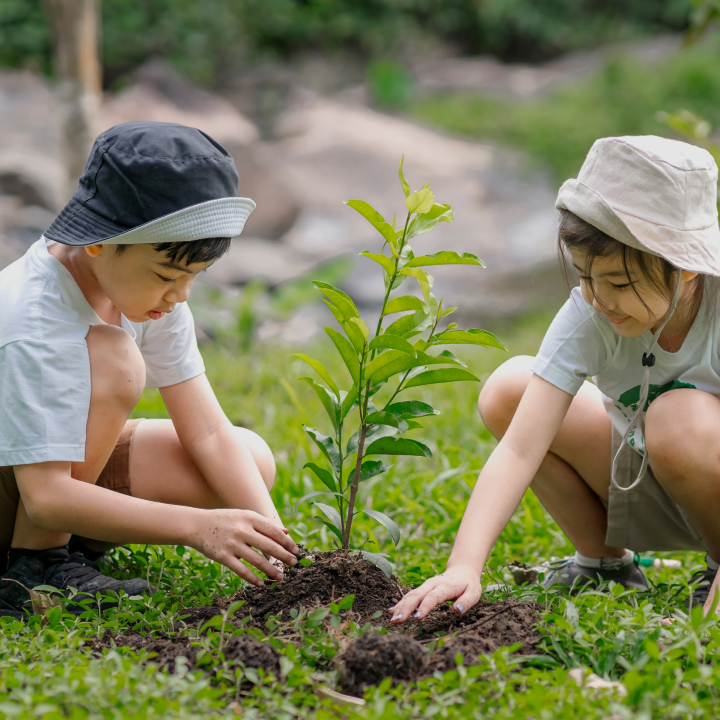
(682, 436)
(575, 473)
(161, 470)
(117, 374)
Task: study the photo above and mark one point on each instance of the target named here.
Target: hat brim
(685, 249)
(224, 217)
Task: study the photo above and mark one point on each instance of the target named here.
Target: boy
(93, 313)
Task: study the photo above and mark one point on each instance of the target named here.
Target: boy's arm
(54, 500)
(210, 440)
(497, 493)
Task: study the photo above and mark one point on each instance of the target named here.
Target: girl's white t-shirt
(44, 362)
(581, 343)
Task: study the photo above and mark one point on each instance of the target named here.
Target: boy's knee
(675, 426)
(261, 453)
(117, 368)
(502, 392)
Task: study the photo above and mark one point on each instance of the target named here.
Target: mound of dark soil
(372, 658)
(330, 577)
(486, 627)
(244, 650)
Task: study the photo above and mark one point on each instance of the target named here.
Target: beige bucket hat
(653, 194)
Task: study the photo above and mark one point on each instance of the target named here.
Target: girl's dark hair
(192, 251)
(574, 232)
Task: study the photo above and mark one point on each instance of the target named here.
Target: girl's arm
(497, 493)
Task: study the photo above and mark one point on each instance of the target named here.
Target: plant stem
(354, 486)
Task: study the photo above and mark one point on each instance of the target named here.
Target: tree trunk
(77, 67)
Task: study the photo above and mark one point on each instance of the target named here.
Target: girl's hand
(714, 588)
(230, 535)
(459, 583)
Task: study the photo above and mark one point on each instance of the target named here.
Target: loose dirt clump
(331, 576)
(372, 658)
(243, 650)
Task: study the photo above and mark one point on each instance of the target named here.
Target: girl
(631, 463)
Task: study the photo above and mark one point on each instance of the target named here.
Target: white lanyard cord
(648, 360)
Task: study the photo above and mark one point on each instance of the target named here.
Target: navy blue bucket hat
(151, 182)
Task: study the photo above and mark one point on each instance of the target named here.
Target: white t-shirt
(581, 343)
(44, 362)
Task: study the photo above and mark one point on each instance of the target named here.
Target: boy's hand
(459, 583)
(228, 535)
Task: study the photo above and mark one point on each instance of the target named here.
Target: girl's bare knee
(261, 453)
(676, 427)
(117, 368)
(502, 392)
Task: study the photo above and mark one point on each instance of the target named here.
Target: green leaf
(328, 400)
(330, 527)
(326, 445)
(378, 431)
(379, 559)
(401, 175)
(338, 315)
(413, 424)
(442, 375)
(392, 342)
(388, 364)
(388, 523)
(315, 493)
(404, 303)
(418, 320)
(349, 402)
(374, 218)
(439, 359)
(420, 201)
(362, 326)
(347, 353)
(445, 257)
(355, 335)
(398, 446)
(371, 468)
(321, 370)
(425, 280)
(339, 299)
(347, 602)
(330, 513)
(381, 418)
(427, 221)
(383, 260)
(411, 408)
(325, 476)
(444, 313)
(467, 337)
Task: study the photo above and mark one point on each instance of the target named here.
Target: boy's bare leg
(161, 470)
(117, 373)
(575, 474)
(682, 436)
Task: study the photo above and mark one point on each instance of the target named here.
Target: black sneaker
(60, 569)
(700, 583)
(568, 572)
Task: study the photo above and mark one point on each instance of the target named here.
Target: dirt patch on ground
(331, 577)
(371, 658)
(243, 650)
(485, 628)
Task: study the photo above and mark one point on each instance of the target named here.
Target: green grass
(44, 673)
(556, 131)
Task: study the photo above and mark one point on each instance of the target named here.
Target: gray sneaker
(567, 572)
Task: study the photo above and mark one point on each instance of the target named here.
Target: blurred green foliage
(210, 38)
(622, 98)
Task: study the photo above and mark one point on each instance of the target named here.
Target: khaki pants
(115, 476)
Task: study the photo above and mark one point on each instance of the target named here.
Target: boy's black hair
(190, 252)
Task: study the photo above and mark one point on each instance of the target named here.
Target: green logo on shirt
(631, 397)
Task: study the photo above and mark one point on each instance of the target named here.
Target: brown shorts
(114, 476)
(645, 518)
